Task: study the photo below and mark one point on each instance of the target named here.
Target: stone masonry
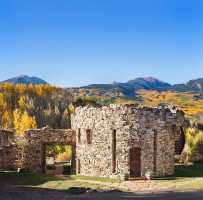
(8, 157)
(107, 141)
(150, 131)
(28, 151)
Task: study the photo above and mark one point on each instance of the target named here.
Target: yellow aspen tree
(6, 120)
(27, 122)
(17, 121)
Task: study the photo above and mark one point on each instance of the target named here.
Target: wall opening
(58, 159)
(79, 136)
(179, 140)
(89, 136)
(155, 152)
(114, 151)
(135, 162)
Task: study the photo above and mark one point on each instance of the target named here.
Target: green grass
(185, 178)
(94, 178)
(185, 171)
(193, 170)
(25, 178)
(51, 182)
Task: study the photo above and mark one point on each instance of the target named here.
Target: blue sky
(77, 42)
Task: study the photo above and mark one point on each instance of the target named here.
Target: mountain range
(24, 79)
(150, 83)
(127, 88)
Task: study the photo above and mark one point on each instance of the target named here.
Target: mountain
(195, 85)
(149, 83)
(128, 88)
(23, 79)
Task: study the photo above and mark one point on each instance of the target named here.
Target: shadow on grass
(185, 171)
(31, 179)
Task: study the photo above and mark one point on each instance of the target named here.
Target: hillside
(146, 91)
(24, 79)
(128, 88)
(190, 103)
(191, 86)
(149, 91)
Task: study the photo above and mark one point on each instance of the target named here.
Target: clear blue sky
(77, 42)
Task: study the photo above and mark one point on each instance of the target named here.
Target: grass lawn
(185, 171)
(193, 170)
(52, 182)
(185, 178)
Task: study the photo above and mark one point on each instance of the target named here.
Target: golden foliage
(183, 100)
(22, 121)
(193, 138)
(20, 103)
(6, 120)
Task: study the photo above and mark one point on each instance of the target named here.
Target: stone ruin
(108, 141)
(125, 140)
(27, 152)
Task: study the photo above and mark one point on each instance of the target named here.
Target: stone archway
(36, 140)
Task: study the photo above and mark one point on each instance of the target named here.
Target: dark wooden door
(135, 162)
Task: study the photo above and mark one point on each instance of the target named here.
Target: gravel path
(8, 192)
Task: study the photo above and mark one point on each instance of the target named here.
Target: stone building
(125, 140)
(106, 141)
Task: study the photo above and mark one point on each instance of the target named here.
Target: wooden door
(135, 162)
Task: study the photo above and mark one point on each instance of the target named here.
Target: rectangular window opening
(89, 136)
(79, 135)
(114, 151)
(155, 151)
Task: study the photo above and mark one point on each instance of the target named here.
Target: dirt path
(28, 193)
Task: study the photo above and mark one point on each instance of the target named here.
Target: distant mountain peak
(147, 79)
(151, 79)
(149, 83)
(25, 79)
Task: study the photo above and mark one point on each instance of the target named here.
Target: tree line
(34, 106)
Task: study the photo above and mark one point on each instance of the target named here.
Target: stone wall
(28, 151)
(36, 141)
(135, 127)
(10, 150)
